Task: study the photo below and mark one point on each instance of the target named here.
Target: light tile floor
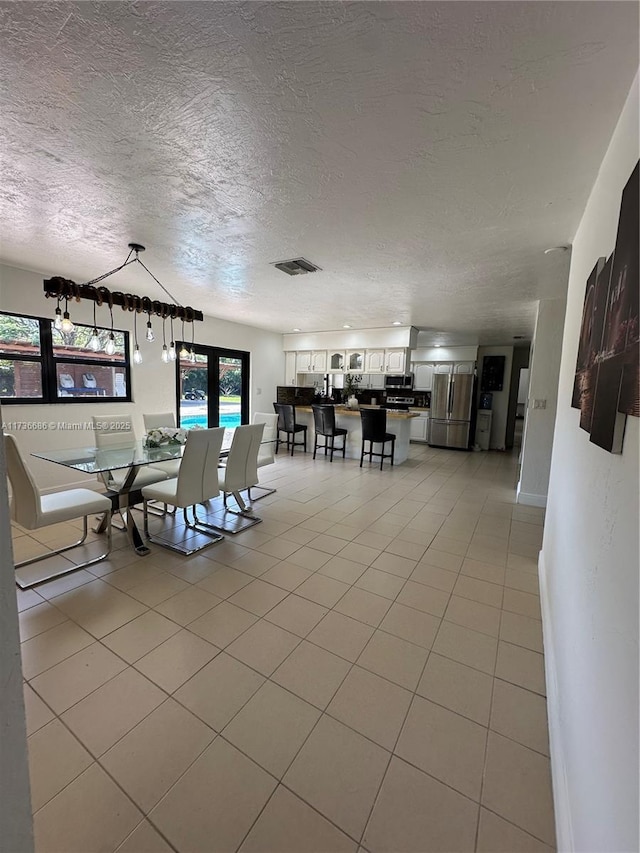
(362, 671)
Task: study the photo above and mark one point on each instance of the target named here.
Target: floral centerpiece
(165, 435)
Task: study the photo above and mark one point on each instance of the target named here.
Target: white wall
(398, 336)
(523, 384)
(153, 383)
(589, 572)
(537, 440)
(15, 799)
(500, 403)
(444, 354)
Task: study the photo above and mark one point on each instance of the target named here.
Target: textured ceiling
(422, 154)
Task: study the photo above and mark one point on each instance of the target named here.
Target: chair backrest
(241, 471)
(66, 380)
(374, 424)
(267, 451)
(112, 430)
(159, 419)
(324, 419)
(25, 497)
(89, 380)
(198, 475)
(286, 416)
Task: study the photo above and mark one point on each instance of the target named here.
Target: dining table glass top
(96, 460)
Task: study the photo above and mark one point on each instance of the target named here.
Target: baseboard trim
(528, 499)
(561, 802)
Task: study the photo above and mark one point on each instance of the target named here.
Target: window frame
(48, 367)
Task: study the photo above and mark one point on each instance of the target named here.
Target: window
(213, 390)
(41, 364)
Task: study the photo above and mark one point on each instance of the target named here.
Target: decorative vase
(352, 402)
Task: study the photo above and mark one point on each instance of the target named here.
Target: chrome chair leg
(66, 571)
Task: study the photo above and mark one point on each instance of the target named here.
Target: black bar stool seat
(374, 430)
(286, 413)
(324, 419)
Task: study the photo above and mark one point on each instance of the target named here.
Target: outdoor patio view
(194, 383)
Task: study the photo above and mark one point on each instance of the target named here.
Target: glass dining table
(129, 457)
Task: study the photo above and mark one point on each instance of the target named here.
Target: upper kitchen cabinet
(303, 361)
(336, 361)
(444, 367)
(422, 377)
(311, 362)
(355, 361)
(464, 367)
(290, 368)
(395, 360)
(375, 361)
(319, 361)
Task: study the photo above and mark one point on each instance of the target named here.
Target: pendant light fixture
(57, 323)
(150, 336)
(66, 325)
(192, 354)
(137, 355)
(111, 344)
(172, 345)
(94, 341)
(165, 351)
(184, 352)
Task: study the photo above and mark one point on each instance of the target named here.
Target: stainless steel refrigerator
(451, 408)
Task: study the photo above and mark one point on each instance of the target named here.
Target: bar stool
(324, 419)
(374, 430)
(286, 413)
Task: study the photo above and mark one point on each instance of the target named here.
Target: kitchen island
(398, 422)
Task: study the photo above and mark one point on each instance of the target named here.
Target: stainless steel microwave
(395, 382)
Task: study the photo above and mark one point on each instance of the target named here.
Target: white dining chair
(32, 511)
(241, 473)
(197, 481)
(115, 431)
(267, 451)
(155, 421)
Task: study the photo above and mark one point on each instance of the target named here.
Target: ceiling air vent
(297, 266)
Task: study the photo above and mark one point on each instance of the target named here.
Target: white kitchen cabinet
(395, 360)
(375, 361)
(336, 361)
(290, 368)
(355, 361)
(444, 367)
(419, 427)
(319, 361)
(464, 367)
(376, 381)
(303, 361)
(423, 377)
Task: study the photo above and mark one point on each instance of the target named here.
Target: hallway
(363, 671)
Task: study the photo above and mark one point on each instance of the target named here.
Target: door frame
(213, 355)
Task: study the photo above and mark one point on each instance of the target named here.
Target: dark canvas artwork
(607, 381)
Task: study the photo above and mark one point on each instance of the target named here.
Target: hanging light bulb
(57, 323)
(150, 336)
(137, 355)
(66, 325)
(184, 352)
(172, 346)
(165, 352)
(111, 344)
(94, 340)
(192, 354)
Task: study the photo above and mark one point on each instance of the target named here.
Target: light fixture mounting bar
(65, 288)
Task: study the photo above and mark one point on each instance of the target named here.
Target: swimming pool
(232, 419)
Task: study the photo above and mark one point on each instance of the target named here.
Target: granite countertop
(343, 410)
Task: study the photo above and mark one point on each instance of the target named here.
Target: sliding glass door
(214, 389)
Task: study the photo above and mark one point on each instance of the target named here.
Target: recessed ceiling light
(437, 345)
(346, 326)
(396, 323)
(296, 330)
(556, 249)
